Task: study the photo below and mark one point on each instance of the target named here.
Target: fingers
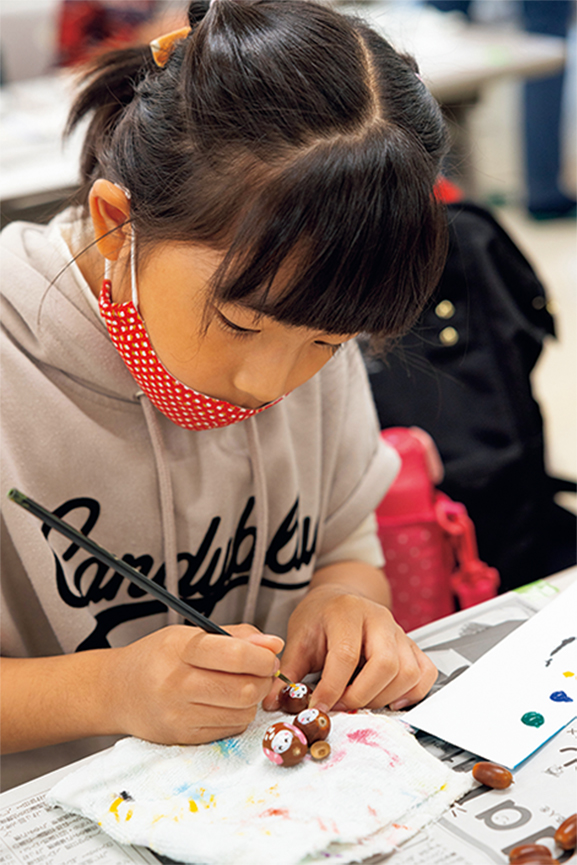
(225, 690)
(298, 660)
(182, 685)
(396, 673)
(340, 663)
(268, 641)
(428, 678)
(396, 680)
(391, 670)
(247, 651)
(295, 666)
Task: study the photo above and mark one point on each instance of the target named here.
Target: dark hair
(282, 133)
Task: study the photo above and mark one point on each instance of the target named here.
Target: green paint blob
(533, 719)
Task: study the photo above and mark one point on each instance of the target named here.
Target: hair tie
(163, 46)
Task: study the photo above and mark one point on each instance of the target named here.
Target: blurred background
(504, 72)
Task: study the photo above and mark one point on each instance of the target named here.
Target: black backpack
(462, 374)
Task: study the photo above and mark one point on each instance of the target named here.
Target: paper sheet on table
(226, 802)
(518, 695)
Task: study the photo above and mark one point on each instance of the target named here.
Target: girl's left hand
(334, 629)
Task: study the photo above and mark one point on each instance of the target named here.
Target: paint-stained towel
(226, 802)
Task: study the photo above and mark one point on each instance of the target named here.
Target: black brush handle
(126, 570)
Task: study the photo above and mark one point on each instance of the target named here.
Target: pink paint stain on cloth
(371, 738)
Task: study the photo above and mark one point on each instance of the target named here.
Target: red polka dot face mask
(181, 404)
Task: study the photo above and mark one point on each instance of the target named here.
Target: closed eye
(333, 347)
(226, 324)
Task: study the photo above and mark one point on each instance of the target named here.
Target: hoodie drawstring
(168, 517)
(261, 519)
(166, 503)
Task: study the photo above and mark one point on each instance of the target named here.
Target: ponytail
(108, 86)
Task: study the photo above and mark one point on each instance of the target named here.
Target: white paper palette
(517, 696)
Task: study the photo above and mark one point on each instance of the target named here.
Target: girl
(181, 380)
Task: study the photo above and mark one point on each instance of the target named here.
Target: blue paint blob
(533, 719)
(229, 747)
(561, 697)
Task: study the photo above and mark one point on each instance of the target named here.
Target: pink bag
(428, 540)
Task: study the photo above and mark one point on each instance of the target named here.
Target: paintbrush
(123, 568)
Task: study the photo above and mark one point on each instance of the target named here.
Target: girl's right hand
(183, 686)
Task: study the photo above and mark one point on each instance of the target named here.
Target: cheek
(308, 366)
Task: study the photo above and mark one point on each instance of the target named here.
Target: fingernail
(398, 704)
(276, 666)
(340, 707)
(322, 707)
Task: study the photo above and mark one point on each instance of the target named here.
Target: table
(457, 60)
(481, 828)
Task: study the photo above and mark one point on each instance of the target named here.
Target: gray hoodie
(235, 520)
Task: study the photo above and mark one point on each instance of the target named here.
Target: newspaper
(481, 828)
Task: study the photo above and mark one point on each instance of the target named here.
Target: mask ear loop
(108, 267)
(133, 270)
(108, 263)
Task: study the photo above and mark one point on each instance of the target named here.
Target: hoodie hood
(55, 321)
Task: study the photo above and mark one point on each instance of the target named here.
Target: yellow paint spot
(274, 790)
(193, 806)
(568, 673)
(443, 787)
(114, 808)
(128, 815)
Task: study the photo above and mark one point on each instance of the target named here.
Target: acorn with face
(315, 724)
(284, 744)
(294, 698)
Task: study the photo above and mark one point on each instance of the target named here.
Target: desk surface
(482, 827)
(456, 58)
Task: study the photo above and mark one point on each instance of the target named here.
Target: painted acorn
(294, 698)
(284, 744)
(315, 724)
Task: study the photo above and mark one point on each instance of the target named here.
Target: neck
(91, 266)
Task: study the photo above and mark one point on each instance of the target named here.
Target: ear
(109, 209)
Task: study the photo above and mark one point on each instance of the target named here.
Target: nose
(264, 377)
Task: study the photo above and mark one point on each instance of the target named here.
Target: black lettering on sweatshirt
(207, 576)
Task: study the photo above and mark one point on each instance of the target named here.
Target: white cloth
(225, 802)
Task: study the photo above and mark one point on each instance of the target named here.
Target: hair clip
(163, 46)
